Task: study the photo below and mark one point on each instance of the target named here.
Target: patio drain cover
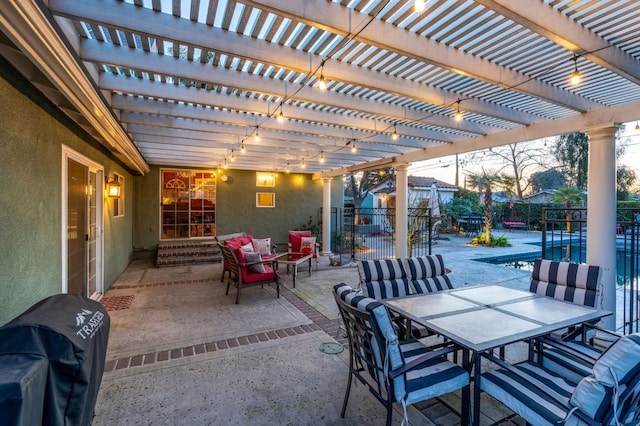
(331, 348)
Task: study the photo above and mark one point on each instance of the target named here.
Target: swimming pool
(524, 261)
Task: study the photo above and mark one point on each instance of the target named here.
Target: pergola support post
(601, 213)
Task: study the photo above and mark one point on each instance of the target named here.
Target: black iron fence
(370, 233)
(564, 238)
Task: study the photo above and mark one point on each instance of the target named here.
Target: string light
(321, 157)
(419, 5)
(637, 126)
(353, 147)
(575, 76)
(322, 82)
(302, 165)
(233, 156)
(395, 135)
(242, 150)
(256, 135)
(457, 116)
(286, 169)
(280, 117)
(225, 163)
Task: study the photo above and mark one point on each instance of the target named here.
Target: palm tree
(485, 183)
(570, 196)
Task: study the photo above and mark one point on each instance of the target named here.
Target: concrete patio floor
(182, 353)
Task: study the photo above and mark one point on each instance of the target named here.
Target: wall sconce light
(113, 188)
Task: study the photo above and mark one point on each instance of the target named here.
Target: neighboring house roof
(388, 185)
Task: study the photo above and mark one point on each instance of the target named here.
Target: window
(188, 204)
(118, 203)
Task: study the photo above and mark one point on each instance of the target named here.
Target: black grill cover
(71, 332)
(23, 379)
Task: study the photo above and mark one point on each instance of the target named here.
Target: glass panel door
(188, 204)
(76, 227)
(93, 235)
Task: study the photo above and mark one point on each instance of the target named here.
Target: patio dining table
(483, 318)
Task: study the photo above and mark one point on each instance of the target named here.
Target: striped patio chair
(610, 395)
(384, 278)
(407, 372)
(428, 274)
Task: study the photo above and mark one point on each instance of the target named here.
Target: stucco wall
(32, 132)
(298, 198)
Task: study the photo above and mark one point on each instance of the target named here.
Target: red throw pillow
(306, 251)
(295, 239)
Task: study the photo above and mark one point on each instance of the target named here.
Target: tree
(569, 196)
(358, 185)
(572, 152)
(486, 182)
(547, 179)
(626, 179)
(518, 158)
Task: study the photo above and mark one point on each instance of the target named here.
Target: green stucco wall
(32, 132)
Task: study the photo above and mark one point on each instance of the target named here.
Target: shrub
(500, 241)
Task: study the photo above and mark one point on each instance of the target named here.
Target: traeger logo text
(91, 326)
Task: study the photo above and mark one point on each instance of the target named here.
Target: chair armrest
(416, 362)
(564, 347)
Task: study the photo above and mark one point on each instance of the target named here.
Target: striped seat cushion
(537, 395)
(355, 297)
(431, 285)
(387, 289)
(571, 366)
(425, 266)
(577, 283)
(620, 362)
(432, 378)
(381, 269)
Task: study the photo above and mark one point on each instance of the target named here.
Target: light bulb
(322, 83)
(419, 5)
(637, 126)
(242, 149)
(353, 147)
(256, 136)
(302, 165)
(457, 116)
(575, 78)
(321, 158)
(233, 156)
(395, 135)
(280, 118)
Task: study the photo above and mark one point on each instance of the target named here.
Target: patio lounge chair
(610, 395)
(407, 372)
(244, 274)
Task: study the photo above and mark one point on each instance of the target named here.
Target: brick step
(174, 253)
(188, 251)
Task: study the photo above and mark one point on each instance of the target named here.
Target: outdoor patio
(181, 352)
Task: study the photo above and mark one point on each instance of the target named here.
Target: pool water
(525, 261)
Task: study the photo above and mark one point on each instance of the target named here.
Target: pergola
(203, 83)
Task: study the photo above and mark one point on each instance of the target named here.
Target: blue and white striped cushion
(388, 289)
(355, 298)
(537, 395)
(382, 269)
(573, 282)
(432, 378)
(572, 367)
(620, 362)
(423, 267)
(592, 398)
(431, 285)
